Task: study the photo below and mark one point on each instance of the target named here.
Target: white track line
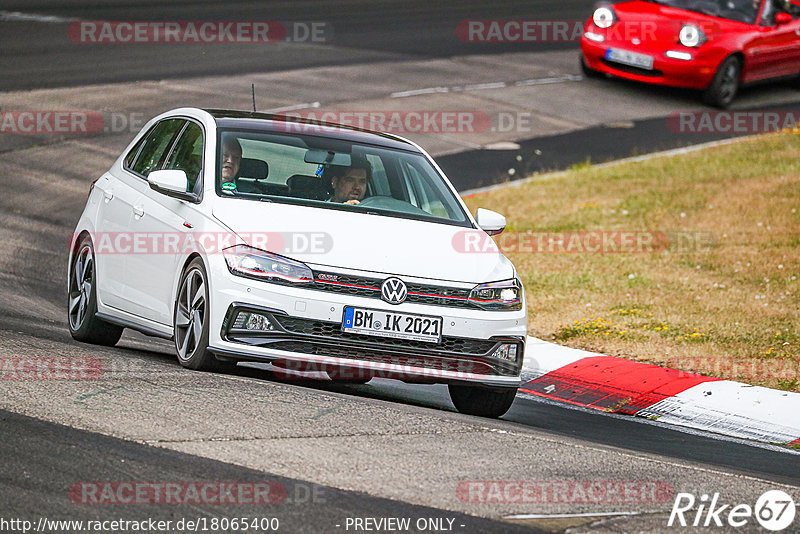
(485, 86)
(547, 81)
(415, 92)
(482, 86)
(568, 516)
(294, 107)
(16, 16)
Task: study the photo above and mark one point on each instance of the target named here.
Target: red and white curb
(670, 396)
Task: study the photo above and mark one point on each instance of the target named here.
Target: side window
(422, 195)
(380, 183)
(129, 159)
(187, 155)
(155, 147)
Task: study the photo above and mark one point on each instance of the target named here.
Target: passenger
(350, 185)
(231, 159)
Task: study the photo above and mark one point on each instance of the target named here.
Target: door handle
(138, 211)
(108, 194)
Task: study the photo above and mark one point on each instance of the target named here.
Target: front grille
(325, 338)
(452, 297)
(333, 331)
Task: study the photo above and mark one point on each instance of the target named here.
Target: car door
(113, 216)
(116, 239)
(112, 239)
(164, 222)
(775, 50)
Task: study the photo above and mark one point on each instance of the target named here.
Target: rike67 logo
(774, 511)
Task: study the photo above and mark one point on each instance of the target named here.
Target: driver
(350, 186)
(789, 7)
(771, 7)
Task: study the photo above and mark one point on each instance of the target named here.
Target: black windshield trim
(294, 201)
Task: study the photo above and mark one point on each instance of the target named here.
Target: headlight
(691, 36)
(254, 263)
(505, 295)
(603, 17)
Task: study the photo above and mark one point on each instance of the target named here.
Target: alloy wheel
(729, 82)
(190, 314)
(81, 286)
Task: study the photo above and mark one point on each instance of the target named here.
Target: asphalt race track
(65, 453)
(383, 450)
(363, 31)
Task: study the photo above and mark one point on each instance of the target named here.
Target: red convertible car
(710, 45)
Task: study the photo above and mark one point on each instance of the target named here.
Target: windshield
(331, 173)
(739, 10)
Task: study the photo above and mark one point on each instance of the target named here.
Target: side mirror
(490, 222)
(782, 18)
(172, 183)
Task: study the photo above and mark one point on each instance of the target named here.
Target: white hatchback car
(312, 246)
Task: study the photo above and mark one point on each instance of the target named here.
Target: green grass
(721, 296)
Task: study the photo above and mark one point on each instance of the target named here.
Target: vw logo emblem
(394, 291)
(636, 41)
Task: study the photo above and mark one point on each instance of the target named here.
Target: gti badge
(394, 291)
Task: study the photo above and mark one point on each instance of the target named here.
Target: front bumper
(695, 73)
(307, 335)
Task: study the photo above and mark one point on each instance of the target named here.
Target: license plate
(390, 324)
(630, 58)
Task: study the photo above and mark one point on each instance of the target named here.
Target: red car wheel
(723, 87)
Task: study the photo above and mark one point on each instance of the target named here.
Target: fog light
(596, 37)
(507, 351)
(253, 321)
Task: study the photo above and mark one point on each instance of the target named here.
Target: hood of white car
(366, 242)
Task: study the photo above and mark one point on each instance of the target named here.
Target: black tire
(84, 325)
(481, 401)
(794, 81)
(725, 84)
(589, 72)
(190, 321)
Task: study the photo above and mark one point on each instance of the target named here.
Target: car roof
(248, 120)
